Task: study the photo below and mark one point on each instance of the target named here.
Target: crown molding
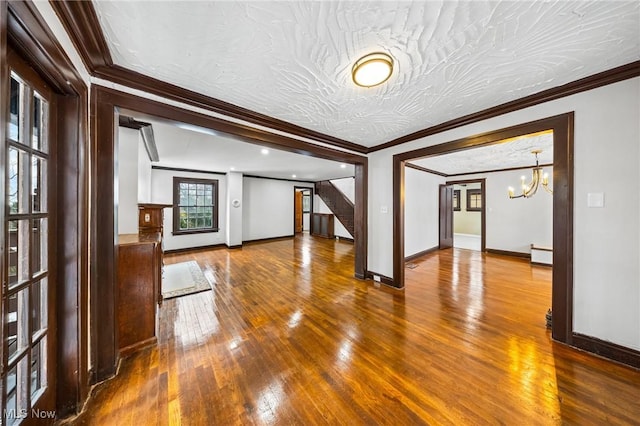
(81, 23)
(613, 75)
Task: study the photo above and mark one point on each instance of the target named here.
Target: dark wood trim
(546, 265)
(509, 253)
(383, 279)
(421, 253)
(180, 169)
(280, 179)
(339, 238)
(196, 249)
(105, 104)
(483, 210)
(609, 350)
(474, 191)
(500, 170)
(235, 247)
(562, 126)
(360, 218)
(398, 166)
(104, 248)
(604, 78)
(534, 247)
(269, 239)
(131, 123)
(312, 190)
(22, 25)
(177, 180)
(82, 25)
(424, 169)
(456, 200)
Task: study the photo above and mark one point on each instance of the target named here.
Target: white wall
(606, 240)
(144, 173)
(421, 214)
(127, 197)
(268, 208)
(347, 186)
(466, 222)
(512, 225)
(162, 193)
(234, 212)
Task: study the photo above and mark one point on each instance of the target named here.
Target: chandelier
(539, 177)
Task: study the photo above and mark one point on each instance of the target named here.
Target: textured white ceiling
(508, 154)
(292, 59)
(186, 146)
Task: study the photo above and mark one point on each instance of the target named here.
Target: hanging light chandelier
(539, 177)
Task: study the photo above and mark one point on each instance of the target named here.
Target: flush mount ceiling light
(372, 69)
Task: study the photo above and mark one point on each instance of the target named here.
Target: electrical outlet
(376, 278)
(147, 217)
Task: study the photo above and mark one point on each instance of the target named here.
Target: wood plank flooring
(287, 336)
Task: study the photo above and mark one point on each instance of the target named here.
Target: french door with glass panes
(28, 331)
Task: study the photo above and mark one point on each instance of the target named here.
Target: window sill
(195, 231)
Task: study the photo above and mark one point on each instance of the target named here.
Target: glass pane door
(25, 290)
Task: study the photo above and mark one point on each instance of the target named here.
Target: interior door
(28, 288)
(298, 212)
(446, 216)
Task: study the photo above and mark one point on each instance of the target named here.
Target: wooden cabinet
(139, 260)
(322, 225)
(150, 218)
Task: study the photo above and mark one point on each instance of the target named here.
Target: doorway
(28, 343)
(302, 209)
(562, 282)
(469, 222)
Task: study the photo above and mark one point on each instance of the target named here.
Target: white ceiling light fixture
(264, 151)
(293, 176)
(539, 177)
(372, 69)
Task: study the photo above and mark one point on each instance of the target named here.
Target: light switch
(595, 199)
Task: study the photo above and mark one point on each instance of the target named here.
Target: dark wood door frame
(105, 106)
(303, 188)
(483, 216)
(22, 27)
(445, 216)
(562, 126)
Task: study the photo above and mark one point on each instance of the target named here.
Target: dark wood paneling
(196, 249)
(137, 292)
(592, 82)
(562, 126)
(32, 39)
(607, 350)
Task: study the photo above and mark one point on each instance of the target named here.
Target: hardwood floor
(287, 336)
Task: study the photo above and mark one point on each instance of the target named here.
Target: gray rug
(183, 278)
